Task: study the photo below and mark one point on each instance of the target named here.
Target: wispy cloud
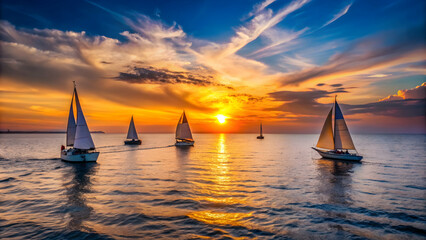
(338, 15)
(380, 75)
(260, 7)
(367, 56)
(260, 23)
(295, 63)
(277, 37)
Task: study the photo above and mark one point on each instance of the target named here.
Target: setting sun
(221, 118)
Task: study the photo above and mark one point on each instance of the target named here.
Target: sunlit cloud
(418, 92)
(378, 75)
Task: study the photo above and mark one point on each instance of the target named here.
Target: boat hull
(336, 156)
(79, 158)
(184, 144)
(133, 142)
(260, 137)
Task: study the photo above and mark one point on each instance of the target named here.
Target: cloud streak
(260, 23)
(367, 55)
(338, 15)
(151, 75)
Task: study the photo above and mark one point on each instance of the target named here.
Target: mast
(260, 129)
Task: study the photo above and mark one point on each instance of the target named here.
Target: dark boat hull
(133, 142)
(260, 137)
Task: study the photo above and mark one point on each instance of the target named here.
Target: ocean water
(228, 186)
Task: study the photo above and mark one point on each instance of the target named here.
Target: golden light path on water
(216, 189)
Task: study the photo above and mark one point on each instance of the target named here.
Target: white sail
(132, 134)
(182, 130)
(83, 139)
(326, 138)
(342, 137)
(71, 124)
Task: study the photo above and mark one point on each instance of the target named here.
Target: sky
(277, 62)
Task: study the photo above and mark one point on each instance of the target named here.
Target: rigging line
(109, 146)
(138, 149)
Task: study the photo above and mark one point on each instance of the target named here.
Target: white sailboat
(132, 135)
(183, 132)
(337, 145)
(261, 135)
(82, 148)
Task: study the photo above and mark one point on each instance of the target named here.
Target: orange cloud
(418, 92)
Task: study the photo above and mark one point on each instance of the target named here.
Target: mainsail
(83, 139)
(261, 129)
(132, 134)
(326, 138)
(182, 130)
(71, 124)
(342, 137)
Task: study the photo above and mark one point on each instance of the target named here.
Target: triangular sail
(71, 124)
(261, 130)
(83, 139)
(182, 130)
(132, 134)
(342, 137)
(326, 138)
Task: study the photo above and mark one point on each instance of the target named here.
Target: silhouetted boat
(82, 148)
(261, 135)
(183, 132)
(132, 135)
(338, 145)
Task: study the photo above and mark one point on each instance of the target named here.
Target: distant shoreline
(40, 132)
(102, 132)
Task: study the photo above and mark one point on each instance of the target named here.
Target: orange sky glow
(159, 70)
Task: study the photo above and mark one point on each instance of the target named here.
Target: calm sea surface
(228, 186)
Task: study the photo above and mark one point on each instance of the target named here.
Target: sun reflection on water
(216, 190)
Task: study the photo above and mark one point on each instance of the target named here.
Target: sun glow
(221, 118)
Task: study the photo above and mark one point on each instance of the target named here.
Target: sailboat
(132, 135)
(183, 132)
(82, 148)
(261, 135)
(338, 144)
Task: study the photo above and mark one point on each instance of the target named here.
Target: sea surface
(228, 186)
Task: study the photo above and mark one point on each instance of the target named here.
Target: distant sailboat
(132, 135)
(82, 148)
(261, 135)
(337, 145)
(183, 132)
